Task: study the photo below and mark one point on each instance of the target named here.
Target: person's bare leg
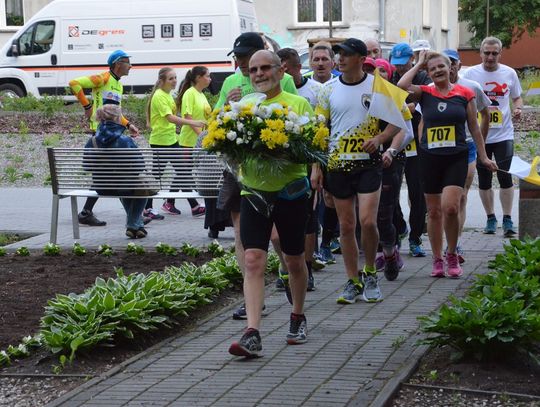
(298, 281)
(435, 223)
(274, 238)
(487, 198)
(506, 196)
(347, 223)
(238, 247)
(450, 208)
(368, 205)
(255, 265)
(463, 200)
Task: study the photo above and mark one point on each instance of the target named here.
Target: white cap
(420, 45)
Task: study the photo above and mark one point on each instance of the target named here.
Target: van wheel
(11, 91)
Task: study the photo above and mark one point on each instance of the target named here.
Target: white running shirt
(499, 86)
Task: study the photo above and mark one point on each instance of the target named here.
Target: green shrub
(130, 305)
(500, 315)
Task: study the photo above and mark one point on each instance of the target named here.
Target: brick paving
(352, 351)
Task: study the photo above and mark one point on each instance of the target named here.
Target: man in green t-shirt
(288, 213)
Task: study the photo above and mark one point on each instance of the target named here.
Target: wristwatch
(393, 152)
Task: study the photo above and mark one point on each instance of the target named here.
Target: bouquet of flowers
(245, 130)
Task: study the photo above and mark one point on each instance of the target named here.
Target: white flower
(286, 145)
(321, 118)
(220, 122)
(231, 135)
(289, 125)
(239, 141)
(264, 112)
(259, 120)
(296, 128)
(292, 116)
(240, 126)
(250, 133)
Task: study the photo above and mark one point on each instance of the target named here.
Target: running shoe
(379, 261)
(286, 287)
(170, 209)
(351, 293)
(326, 255)
(153, 214)
(198, 211)
(491, 226)
(335, 246)
(297, 330)
(240, 313)
(88, 218)
(438, 268)
(416, 250)
(280, 285)
(453, 270)
(317, 264)
(310, 282)
(392, 266)
(249, 346)
(508, 227)
(372, 291)
(460, 254)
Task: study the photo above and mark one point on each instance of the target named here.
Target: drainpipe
(382, 28)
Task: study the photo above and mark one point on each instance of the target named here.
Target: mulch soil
(27, 283)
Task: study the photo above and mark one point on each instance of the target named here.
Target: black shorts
(289, 217)
(439, 171)
(344, 184)
(229, 195)
(503, 152)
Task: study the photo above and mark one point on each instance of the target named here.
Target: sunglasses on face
(264, 68)
(488, 53)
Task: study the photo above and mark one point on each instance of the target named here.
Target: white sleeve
(409, 135)
(515, 88)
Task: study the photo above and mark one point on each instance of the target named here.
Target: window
(426, 13)
(444, 15)
(317, 11)
(11, 13)
(37, 39)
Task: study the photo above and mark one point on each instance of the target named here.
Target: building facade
(292, 22)
(14, 13)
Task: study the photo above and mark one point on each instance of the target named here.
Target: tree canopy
(508, 19)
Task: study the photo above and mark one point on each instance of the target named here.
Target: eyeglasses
(264, 68)
(488, 53)
(124, 62)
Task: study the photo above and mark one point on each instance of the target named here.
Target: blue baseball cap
(115, 56)
(401, 53)
(452, 54)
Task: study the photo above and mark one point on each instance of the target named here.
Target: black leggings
(417, 214)
(503, 152)
(391, 183)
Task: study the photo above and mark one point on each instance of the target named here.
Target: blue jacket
(103, 168)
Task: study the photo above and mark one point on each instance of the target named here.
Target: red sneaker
(438, 268)
(453, 270)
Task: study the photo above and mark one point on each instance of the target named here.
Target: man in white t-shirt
(500, 83)
(354, 170)
(482, 103)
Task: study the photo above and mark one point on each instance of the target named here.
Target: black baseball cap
(352, 46)
(247, 43)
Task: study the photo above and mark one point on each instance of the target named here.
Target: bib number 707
(443, 136)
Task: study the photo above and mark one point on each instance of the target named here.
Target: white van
(72, 38)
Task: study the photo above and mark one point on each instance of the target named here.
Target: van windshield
(37, 39)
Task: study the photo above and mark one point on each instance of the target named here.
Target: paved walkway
(353, 354)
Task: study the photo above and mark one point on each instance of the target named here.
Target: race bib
(495, 117)
(443, 136)
(410, 150)
(350, 148)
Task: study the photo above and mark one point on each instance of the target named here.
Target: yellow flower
(278, 112)
(321, 137)
(207, 141)
(273, 138)
(226, 119)
(213, 126)
(218, 134)
(277, 125)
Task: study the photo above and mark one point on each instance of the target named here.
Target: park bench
(78, 172)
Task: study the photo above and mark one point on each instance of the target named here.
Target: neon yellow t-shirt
(291, 172)
(194, 104)
(163, 132)
(237, 80)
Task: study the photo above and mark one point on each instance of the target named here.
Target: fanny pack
(295, 189)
